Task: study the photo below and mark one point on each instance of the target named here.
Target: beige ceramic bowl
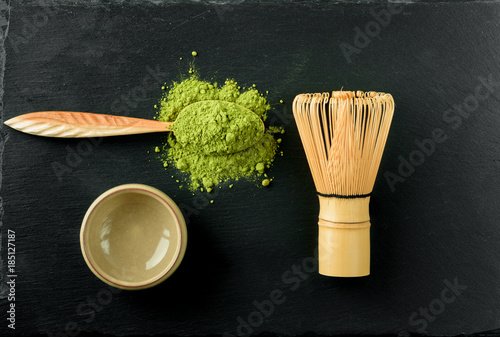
(133, 237)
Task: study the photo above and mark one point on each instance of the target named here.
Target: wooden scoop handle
(67, 124)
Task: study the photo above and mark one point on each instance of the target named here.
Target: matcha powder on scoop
(230, 117)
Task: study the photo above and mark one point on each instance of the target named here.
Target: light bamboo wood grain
(68, 124)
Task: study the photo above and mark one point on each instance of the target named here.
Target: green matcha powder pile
(207, 169)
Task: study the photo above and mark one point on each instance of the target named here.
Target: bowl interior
(132, 237)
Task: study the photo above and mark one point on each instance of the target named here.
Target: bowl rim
(180, 242)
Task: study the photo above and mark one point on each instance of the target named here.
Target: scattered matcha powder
(260, 167)
(210, 168)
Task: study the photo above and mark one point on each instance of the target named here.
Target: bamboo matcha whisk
(344, 137)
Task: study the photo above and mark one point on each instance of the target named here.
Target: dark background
(438, 226)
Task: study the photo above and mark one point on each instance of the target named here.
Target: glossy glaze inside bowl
(132, 237)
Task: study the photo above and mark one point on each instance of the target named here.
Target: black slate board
(437, 228)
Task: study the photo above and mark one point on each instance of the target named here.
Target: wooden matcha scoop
(215, 126)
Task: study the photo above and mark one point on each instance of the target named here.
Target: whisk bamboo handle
(344, 237)
(67, 124)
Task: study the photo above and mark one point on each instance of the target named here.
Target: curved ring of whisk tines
(344, 135)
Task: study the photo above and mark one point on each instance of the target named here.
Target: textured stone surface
(435, 229)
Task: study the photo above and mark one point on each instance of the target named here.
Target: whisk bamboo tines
(344, 136)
